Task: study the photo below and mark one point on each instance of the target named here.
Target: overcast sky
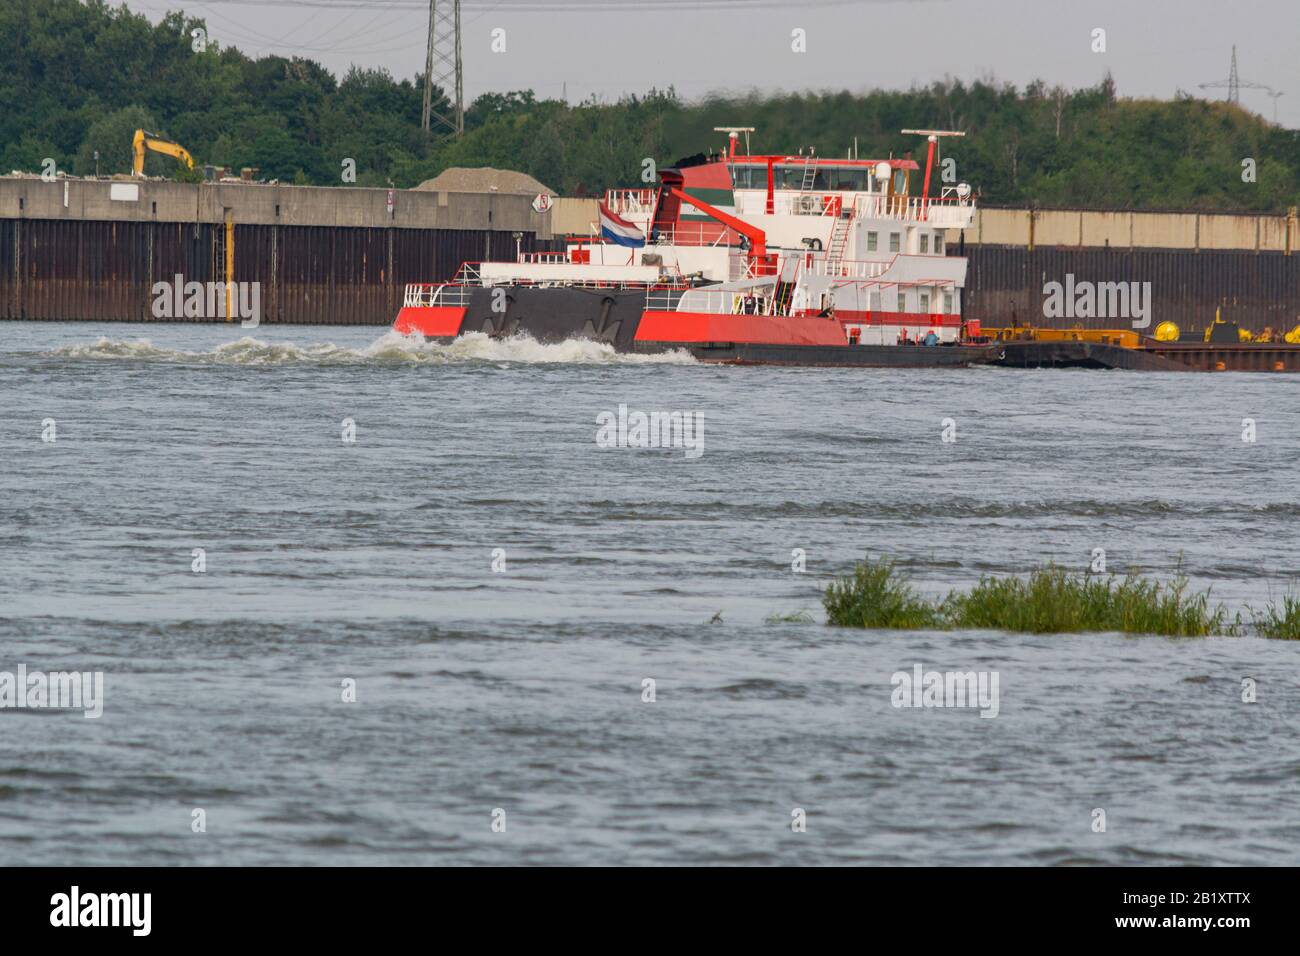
(1153, 47)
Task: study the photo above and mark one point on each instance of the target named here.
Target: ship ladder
(839, 240)
(809, 173)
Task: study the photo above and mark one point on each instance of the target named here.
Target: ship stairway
(839, 241)
(782, 296)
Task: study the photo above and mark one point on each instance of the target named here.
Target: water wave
(389, 348)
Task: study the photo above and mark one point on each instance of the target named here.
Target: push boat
(740, 258)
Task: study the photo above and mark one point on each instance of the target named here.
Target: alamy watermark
(179, 299)
(75, 908)
(637, 429)
(1100, 300)
(56, 690)
(922, 688)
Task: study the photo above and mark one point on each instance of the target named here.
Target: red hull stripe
(430, 321)
(909, 319)
(757, 329)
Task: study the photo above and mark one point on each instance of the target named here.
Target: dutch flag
(619, 231)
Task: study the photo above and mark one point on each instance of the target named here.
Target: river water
(495, 589)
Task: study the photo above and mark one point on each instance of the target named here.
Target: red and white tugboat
(798, 260)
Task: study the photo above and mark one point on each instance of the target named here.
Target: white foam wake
(389, 348)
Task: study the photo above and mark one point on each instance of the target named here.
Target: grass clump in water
(875, 596)
(1053, 600)
(1050, 600)
(798, 617)
(1282, 623)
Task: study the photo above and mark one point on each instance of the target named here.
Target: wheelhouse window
(748, 176)
(925, 301)
(873, 241)
(789, 177)
(793, 176)
(893, 241)
(739, 176)
(938, 243)
(925, 243)
(947, 303)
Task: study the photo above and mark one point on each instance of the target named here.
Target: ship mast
(933, 136)
(733, 134)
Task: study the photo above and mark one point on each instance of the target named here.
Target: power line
(1275, 94)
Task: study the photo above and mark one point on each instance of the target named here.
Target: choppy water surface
(522, 690)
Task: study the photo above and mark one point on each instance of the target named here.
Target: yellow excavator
(145, 140)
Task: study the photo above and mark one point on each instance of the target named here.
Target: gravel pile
(481, 179)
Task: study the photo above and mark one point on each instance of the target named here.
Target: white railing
(468, 274)
(424, 296)
(941, 212)
(631, 202)
(948, 210)
(661, 299)
(760, 300)
(538, 258)
(850, 268)
(415, 295)
(739, 267)
(695, 234)
(712, 301)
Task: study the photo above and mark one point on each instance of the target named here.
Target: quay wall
(93, 249)
(1126, 229)
(1004, 285)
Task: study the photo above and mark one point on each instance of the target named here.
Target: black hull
(853, 356)
(559, 314)
(1072, 354)
(612, 316)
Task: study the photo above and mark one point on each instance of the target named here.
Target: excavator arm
(144, 140)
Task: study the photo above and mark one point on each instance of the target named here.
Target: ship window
(749, 177)
(848, 179)
(893, 242)
(873, 301)
(938, 243)
(789, 177)
(925, 242)
(925, 301)
(947, 303)
(872, 241)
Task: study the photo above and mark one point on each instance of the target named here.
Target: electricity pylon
(1234, 83)
(442, 65)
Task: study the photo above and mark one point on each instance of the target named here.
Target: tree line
(83, 76)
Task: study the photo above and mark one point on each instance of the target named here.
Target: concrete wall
(259, 204)
(1131, 230)
(30, 197)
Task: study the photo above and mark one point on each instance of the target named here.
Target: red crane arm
(757, 237)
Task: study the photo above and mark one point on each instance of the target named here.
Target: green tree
(79, 76)
(112, 137)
